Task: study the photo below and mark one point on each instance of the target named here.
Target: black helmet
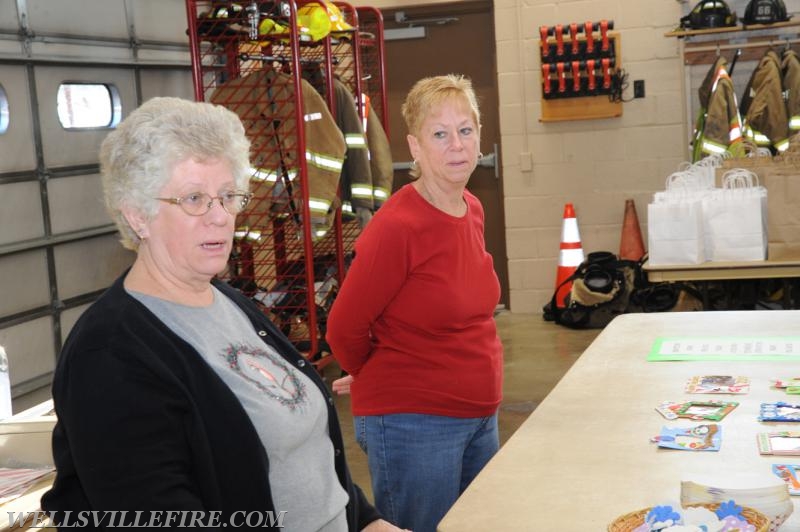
(709, 14)
(765, 12)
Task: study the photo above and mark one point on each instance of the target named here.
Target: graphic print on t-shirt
(269, 373)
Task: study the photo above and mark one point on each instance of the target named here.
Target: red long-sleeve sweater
(413, 321)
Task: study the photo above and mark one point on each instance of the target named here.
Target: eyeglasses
(199, 203)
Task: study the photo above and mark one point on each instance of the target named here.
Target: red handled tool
(573, 34)
(546, 77)
(588, 28)
(604, 35)
(576, 76)
(590, 74)
(559, 31)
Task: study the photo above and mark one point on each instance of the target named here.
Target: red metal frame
(276, 259)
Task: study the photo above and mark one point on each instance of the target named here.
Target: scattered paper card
(706, 410)
(697, 410)
(790, 386)
(668, 409)
(785, 383)
(718, 384)
(789, 474)
(697, 438)
(779, 411)
(783, 442)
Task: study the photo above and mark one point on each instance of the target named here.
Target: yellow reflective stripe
(319, 233)
(360, 190)
(246, 232)
(346, 207)
(262, 174)
(761, 138)
(794, 123)
(713, 147)
(319, 205)
(310, 117)
(380, 193)
(781, 145)
(325, 162)
(355, 140)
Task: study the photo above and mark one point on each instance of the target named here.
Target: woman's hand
(342, 386)
(381, 525)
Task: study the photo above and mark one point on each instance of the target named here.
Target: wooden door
(462, 46)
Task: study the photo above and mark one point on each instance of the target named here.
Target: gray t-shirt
(284, 405)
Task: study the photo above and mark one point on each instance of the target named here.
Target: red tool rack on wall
(290, 266)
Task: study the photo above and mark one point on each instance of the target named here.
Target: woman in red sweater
(413, 323)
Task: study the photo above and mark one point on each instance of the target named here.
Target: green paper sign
(733, 348)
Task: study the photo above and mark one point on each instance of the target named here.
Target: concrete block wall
(593, 164)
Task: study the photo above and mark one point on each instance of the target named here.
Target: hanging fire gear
(709, 14)
(719, 127)
(265, 102)
(790, 67)
(356, 187)
(380, 155)
(763, 109)
(765, 12)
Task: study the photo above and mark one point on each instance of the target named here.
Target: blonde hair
(428, 93)
(137, 158)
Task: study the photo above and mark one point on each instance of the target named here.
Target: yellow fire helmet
(322, 14)
(315, 20)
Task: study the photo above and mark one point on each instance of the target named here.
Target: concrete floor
(537, 354)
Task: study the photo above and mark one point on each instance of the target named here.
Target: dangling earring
(414, 164)
(480, 155)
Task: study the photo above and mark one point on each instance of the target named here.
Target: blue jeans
(420, 464)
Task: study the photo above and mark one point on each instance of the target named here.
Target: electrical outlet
(638, 88)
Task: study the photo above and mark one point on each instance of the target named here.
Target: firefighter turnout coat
(763, 108)
(719, 127)
(790, 66)
(265, 101)
(356, 191)
(380, 157)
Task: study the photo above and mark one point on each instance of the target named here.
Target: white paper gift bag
(675, 221)
(735, 218)
(675, 232)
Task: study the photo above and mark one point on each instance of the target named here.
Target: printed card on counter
(782, 443)
(789, 474)
(697, 438)
(718, 384)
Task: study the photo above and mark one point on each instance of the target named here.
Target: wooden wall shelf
(732, 29)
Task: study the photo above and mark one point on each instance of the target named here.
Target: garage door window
(3, 110)
(88, 105)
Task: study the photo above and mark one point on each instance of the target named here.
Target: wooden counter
(723, 271)
(584, 457)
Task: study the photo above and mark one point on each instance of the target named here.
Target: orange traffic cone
(631, 246)
(570, 256)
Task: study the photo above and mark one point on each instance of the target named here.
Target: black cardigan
(144, 424)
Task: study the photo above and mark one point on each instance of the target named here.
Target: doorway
(465, 44)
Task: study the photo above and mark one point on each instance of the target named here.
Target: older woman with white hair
(178, 402)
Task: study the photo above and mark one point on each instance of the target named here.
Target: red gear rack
(277, 258)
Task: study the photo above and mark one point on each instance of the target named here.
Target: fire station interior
(548, 140)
